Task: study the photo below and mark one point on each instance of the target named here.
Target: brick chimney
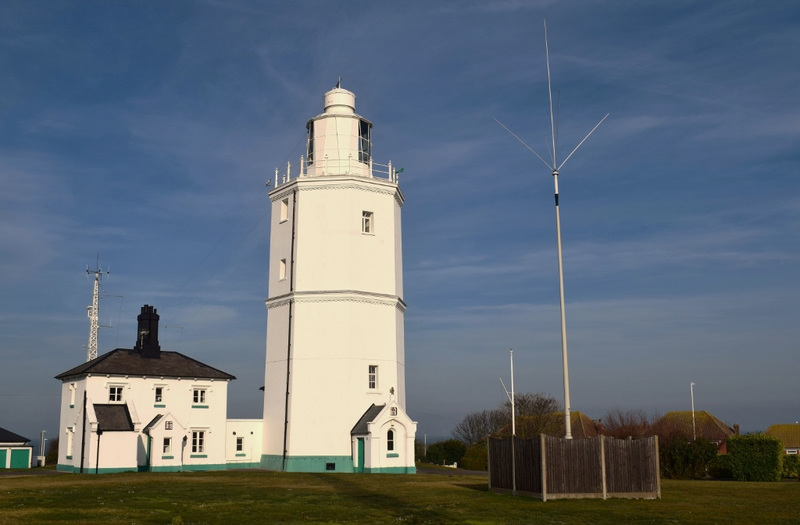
(147, 333)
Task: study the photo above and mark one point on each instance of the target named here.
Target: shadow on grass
(480, 487)
(360, 495)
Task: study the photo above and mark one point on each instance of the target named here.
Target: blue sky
(145, 132)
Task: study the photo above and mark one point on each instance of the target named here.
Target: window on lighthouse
(310, 152)
(372, 378)
(364, 141)
(367, 225)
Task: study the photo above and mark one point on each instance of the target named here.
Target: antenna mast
(93, 311)
(554, 167)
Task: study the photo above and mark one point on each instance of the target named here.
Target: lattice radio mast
(93, 311)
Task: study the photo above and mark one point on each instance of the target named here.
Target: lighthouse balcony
(328, 167)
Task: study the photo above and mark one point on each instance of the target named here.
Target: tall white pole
(567, 422)
(513, 429)
(513, 399)
(694, 428)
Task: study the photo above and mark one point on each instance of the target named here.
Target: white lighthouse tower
(334, 394)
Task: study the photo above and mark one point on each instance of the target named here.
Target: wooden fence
(548, 467)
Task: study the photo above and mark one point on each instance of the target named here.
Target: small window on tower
(390, 440)
(310, 152)
(282, 270)
(285, 210)
(367, 222)
(159, 394)
(372, 379)
(364, 141)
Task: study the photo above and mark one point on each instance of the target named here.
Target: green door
(3, 458)
(21, 458)
(360, 467)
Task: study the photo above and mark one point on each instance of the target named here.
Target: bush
(720, 468)
(446, 452)
(476, 458)
(52, 452)
(756, 457)
(791, 466)
(681, 458)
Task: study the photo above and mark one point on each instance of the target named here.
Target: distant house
(15, 450)
(789, 436)
(706, 425)
(144, 409)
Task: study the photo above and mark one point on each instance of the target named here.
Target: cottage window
(390, 440)
(198, 441)
(167, 447)
(239, 444)
(115, 394)
(168, 425)
(199, 396)
(159, 394)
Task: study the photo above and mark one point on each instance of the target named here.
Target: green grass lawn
(272, 497)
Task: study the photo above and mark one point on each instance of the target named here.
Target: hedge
(755, 457)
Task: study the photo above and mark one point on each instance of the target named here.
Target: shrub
(791, 466)
(476, 458)
(681, 458)
(446, 452)
(756, 457)
(720, 468)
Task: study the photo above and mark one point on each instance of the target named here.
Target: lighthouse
(334, 391)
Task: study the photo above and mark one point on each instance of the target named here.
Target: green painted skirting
(391, 470)
(308, 463)
(171, 468)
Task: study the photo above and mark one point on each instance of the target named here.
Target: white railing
(328, 167)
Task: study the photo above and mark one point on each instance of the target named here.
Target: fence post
(603, 464)
(543, 458)
(488, 457)
(658, 468)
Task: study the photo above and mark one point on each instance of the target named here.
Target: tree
(622, 424)
(536, 414)
(446, 452)
(52, 452)
(475, 427)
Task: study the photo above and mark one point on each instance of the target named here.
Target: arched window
(390, 440)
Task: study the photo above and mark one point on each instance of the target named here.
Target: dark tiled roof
(131, 363)
(368, 417)
(788, 434)
(152, 424)
(6, 436)
(113, 418)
